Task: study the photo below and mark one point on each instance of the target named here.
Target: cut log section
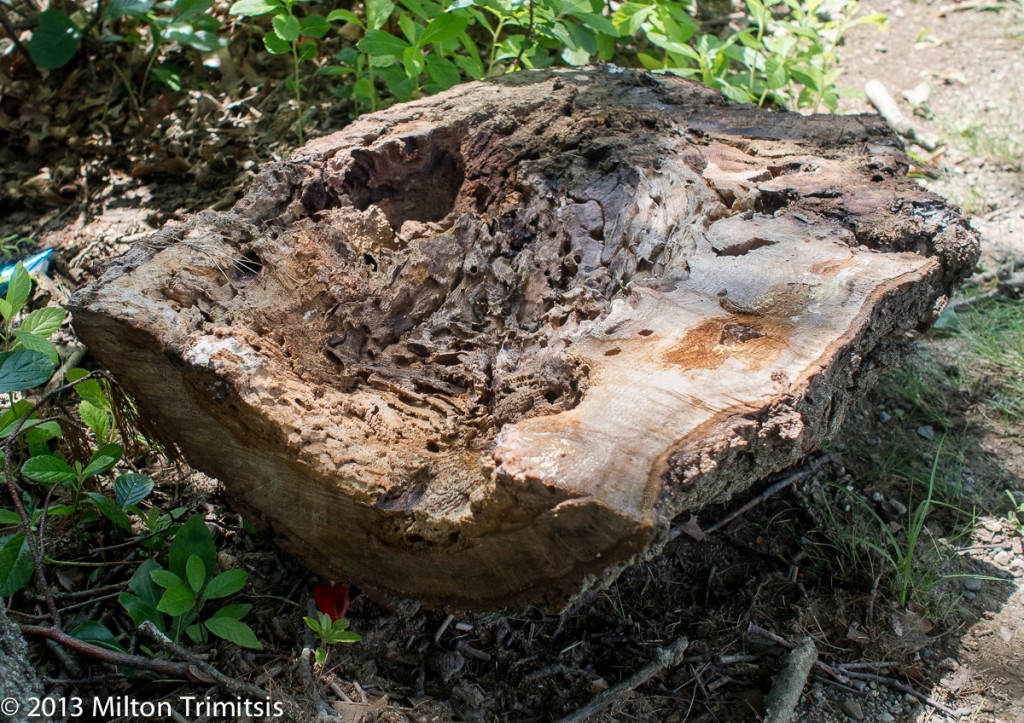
(480, 349)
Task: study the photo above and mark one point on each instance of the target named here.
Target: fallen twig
(904, 688)
(779, 640)
(809, 468)
(665, 658)
(111, 657)
(199, 670)
(845, 674)
(888, 109)
(971, 300)
(789, 683)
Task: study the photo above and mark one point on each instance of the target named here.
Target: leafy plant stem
(298, 89)
(80, 563)
(493, 54)
(518, 65)
(12, 487)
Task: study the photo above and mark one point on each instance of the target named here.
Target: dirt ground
(790, 565)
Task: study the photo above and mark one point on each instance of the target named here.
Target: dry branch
(665, 658)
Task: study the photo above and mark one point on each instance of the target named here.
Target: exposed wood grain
(480, 349)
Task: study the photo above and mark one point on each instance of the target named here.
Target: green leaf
(44, 321)
(57, 511)
(410, 28)
(287, 27)
(446, 26)
(16, 567)
(275, 45)
(54, 41)
(226, 583)
(346, 636)
(168, 75)
(130, 489)
(109, 509)
(103, 460)
(252, 8)
(9, 517)
(140, 610)
(233, 631)
(314, 625)
(381, 43)
(341, 14)
(96, 419)
(23, 369)
(314, 26)
(142, 583)
(28, 340)
(97, 634)
(127, 8)
(471, 66)
(307, 51)
(378, 12)
(192, 538)
(235, 611)
(195, 633)
(166, 579)
(6, 310)
(196, 572)
(19, 288)
(597, 23)
(443, 71)
(48, 469)
(412, 61)
(176, 601)
(39, 434)
(188, 10)
(89, 390)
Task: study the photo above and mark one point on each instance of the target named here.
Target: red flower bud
(331, 599)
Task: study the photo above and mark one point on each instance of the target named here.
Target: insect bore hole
(250, 264)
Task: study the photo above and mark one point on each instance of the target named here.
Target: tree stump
(481, 348)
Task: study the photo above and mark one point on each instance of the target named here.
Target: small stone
(972, 584)
(970, 595)
(1003, 559)
(885, 717)
(926, 431)
(853, 709)
(948, 664)
(877, 497)
(884, 417)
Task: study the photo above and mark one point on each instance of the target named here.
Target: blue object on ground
(35, 264)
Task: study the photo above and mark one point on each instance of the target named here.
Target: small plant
(1016, 514)
(786, 56)
(288, 35)
(58, 34)
(13, 245)
(329, 632)
(899, 552)
(52, 470)
(330, 625)
(28, 358)
(187, 587)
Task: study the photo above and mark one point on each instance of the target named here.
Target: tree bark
(481, 348)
